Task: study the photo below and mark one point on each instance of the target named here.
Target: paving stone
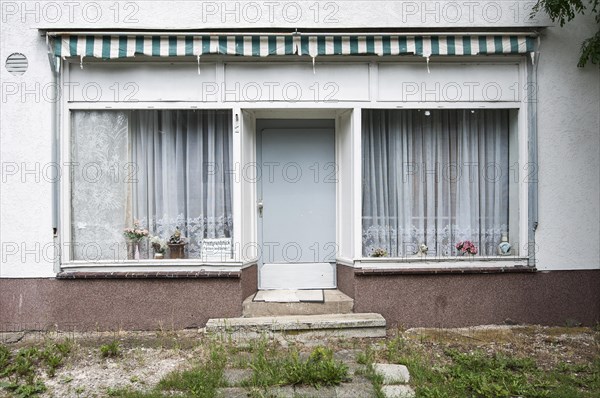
(397, 392)
(235, 392)
(392, 374)
(311, 392)
(355, 390)
(235, 376)
(11, 337)
(359, 379)
(346, 355)
(281, 392)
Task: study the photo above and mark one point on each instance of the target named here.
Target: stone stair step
(305, 326)
(335, 302)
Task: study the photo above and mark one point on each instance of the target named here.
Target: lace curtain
(435, 177)
(99, 149)
(184, 174)
(165, 168)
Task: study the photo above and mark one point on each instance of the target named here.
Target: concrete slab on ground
(232, 392)
(234, 377)
(392, 374)
(399, 391)
(329, 325)
(323, 392)
(355, 390)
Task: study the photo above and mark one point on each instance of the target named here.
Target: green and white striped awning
(253, 45)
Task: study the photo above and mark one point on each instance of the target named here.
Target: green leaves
(564, 11)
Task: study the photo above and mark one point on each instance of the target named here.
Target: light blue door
(297, 208)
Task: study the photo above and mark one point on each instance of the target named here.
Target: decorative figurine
(504, 246)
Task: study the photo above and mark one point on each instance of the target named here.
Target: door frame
(293, 270)
(348, 193)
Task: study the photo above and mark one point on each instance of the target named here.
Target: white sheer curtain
(165, 168)
(183, 179)
(435, 177)
(99, 147)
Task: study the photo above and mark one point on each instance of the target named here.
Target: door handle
(260, 208)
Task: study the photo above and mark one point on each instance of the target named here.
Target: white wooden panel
(344, 165)
(247, 179)
(297, 276)
(134, 82)
(295, 82)
(448, 82)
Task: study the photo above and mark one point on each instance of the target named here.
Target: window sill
(151, 267)
(447, 261)
(148, 274)
(444, 265)
(441, 271)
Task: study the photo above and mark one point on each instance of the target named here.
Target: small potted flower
(466, 247)
(134, 236)
(379, 252)
(176, 244)
(159, 246)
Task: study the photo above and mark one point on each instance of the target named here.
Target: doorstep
(303, 326)
(297, 302)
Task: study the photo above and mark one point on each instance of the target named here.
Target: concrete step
(335, 302)
(303, 326)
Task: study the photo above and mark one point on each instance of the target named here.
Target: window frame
(518, 113)
(520, 108)
(66, 234)
(515, 188)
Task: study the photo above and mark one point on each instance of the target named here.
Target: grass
(271, 366)
(19, 371)
(200, 381)
(274, 368)
(110, 350)
(367, 358)
(475, 363)
(464, 371)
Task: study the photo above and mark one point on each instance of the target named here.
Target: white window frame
(239, 219)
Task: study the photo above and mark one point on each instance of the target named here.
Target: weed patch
(274, 368)
(110, 350)
(201, 381)
(20, 372)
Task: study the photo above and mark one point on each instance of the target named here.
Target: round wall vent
(17, 64)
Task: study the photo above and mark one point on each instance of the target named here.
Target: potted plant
(176, 244)
(159, 246)
(134, 236)
(379, 252)
(466, 247)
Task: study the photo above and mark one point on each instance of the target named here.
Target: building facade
(437, 162)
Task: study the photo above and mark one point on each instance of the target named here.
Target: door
(297, 208)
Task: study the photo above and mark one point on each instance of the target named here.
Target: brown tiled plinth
(435, 299)
(144, 301)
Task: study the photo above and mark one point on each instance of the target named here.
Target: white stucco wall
(211, 14)
(569, 123)
(25, 144)
(568, 236)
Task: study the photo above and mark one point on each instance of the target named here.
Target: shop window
(436, 178)
(165, 169)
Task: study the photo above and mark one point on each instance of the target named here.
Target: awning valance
(125, 46)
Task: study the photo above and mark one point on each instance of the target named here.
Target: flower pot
(176, 250)
(133, 250)
(159, 256)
